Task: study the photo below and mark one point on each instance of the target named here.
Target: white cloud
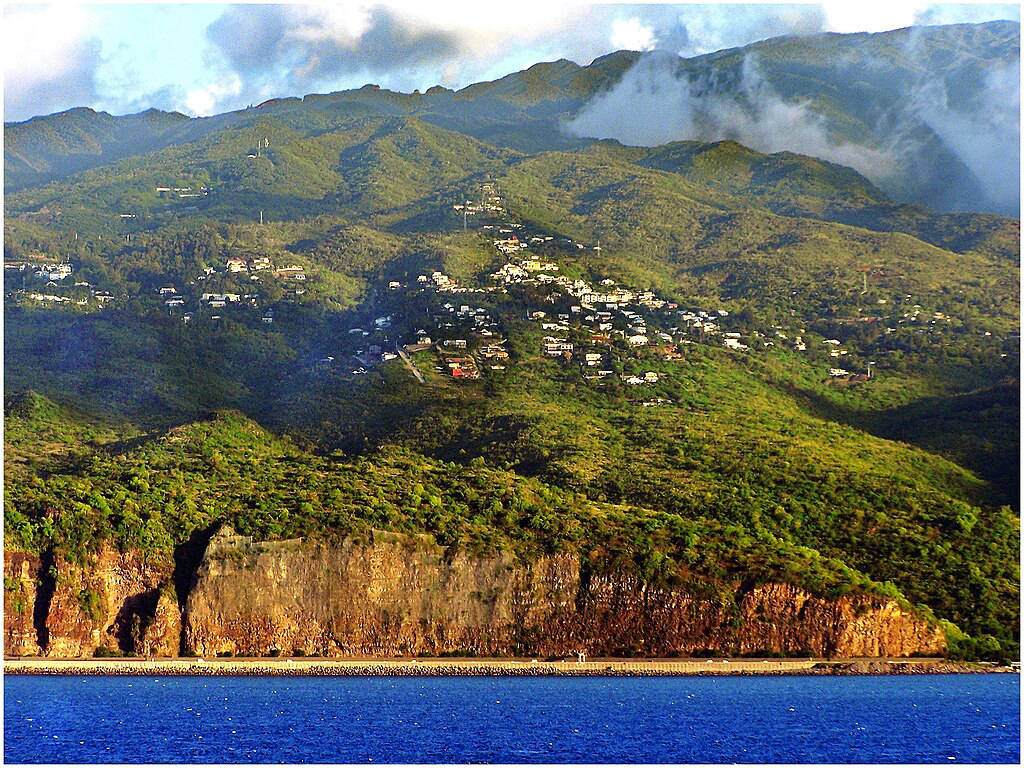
(319, 46)
(342, 21)
(632, 35)
(985, 135)
(846, 16)
(204, 101)
(39, 41)
(486, 27)
(53, 53)
(967, 13)
(652, 105)
(50, 58)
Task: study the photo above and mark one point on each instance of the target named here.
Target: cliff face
(21, 585)
(781, 616)
(161, 634)
(407, 595)
(103, 604)
(396, 594)
(64, 610)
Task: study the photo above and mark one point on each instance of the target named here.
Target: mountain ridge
(529, 110)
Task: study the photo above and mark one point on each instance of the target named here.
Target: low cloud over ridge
(663, 98)
(655, 103)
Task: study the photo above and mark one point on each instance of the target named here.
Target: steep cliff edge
(406, 595)
(104, 604)
(389, 594)
(64, 609)
(394, 594)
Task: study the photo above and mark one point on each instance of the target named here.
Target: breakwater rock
(494, 667)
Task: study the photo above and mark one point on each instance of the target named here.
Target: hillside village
(604, 328)
(588, 325)
(60, 290)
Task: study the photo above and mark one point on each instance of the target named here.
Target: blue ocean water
(927, 718)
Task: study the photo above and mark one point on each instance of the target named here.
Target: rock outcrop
(103, 604)
(393, 594)
(21, 587)
(777, 617)
(161, 634)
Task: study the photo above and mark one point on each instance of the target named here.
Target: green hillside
(530, 111)
(439, 312)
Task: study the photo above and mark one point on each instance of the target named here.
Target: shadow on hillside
(979, 430)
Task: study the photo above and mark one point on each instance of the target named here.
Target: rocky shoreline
(468, 668)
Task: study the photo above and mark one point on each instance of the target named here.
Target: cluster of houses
(52, 298)
(379, 324)
(603, 313)
(580, 321)
(843, 376)
(510, 245)
(650, 377)
(555, 347)
(366, 358)
(461, 364)
(495, 355)
(223, 299)
(99, 296)
(607, 312)
(55, 274)
(477, 319)
(253, 268)
(469, 320)
(49, 271)
(438, 280)
(462, 367)
(836, 351)
(170, 296)
(915, 316)
(488, 202)
(183, 192)
(798, 342)
(174, 299)
(585, 318)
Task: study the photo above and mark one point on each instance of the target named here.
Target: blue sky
(203, 58)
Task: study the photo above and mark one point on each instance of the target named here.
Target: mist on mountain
(931, 115)
(655, 103)
(984, 134)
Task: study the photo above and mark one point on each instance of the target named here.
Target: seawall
(494, 667)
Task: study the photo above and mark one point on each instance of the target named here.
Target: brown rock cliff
(389, 594)
(406, 595)
(21, 585)
(103, 604)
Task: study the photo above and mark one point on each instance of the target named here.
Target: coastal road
(514, 667)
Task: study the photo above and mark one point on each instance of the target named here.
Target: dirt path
(410, 366)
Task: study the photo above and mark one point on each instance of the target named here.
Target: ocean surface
(909, 719)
